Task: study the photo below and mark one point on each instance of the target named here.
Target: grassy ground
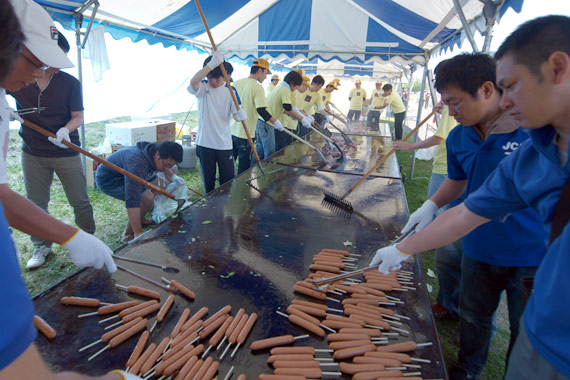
(110, 223)
(416, 190)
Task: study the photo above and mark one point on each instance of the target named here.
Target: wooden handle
(100, 160)
(386, 156)
(227, 79)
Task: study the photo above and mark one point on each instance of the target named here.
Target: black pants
(209, 158)
(398, 121)
(353, 115)
(373, 120)
(282, 139)
(301, 130)
(242, 153)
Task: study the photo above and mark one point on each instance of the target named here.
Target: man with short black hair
(56, 103)
(533, 70)
(253, 102)
(393, 99)
(279, 105)
(143, 160)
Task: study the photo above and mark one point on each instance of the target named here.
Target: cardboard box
(130, 133)
(165, 131)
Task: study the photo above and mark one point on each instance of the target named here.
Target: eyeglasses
(36, 66)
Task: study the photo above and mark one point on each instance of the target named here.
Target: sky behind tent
(150, 80)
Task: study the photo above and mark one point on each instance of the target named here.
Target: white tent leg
(420, 107)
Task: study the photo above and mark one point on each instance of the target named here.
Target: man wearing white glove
(279, 105)
(500, 252)
(59, 96)
(313, 101)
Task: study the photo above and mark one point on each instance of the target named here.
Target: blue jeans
(480, 294)
(242, 153)
(301, 130)
(373, 120)
(353, 115)
(264, 140)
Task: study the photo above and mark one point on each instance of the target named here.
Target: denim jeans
(282, 139)
(480, 294)
(353, 115)
(373, 120)
(242, 153)
(302, 130)
(264, 140)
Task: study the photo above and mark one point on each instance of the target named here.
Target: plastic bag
(165, 207)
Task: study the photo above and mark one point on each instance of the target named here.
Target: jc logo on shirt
(510, 147)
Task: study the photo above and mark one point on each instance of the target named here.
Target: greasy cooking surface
(250, 255)
(358, 160)
(362, 128)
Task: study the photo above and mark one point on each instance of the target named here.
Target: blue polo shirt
(17, 330)
(521, 240)
(533, 177)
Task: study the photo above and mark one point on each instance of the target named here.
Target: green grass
(110, 216)
(416, 194)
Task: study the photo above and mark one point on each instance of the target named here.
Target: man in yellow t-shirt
(301, 120)
(326, 94)
(357, 97)
(253, 102)
(376, 100)
(313, 104)
(393, 99)
(279, 105)
(273, 84)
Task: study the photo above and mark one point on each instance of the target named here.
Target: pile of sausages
(180, 354)
(358, 330)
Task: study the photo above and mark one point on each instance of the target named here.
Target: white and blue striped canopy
(343, 37)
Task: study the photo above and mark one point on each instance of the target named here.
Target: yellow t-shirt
(270, 88)
(252, 96)
(292, 122)
(310, 100)
(325, 96)
(376, 98)
(446, 124)
(357, 96)
(279, 96)
(396, 102)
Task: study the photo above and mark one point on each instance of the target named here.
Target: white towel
(96, 51)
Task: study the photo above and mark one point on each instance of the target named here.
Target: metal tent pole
(465, 24)
(420, 106)
(78, 22)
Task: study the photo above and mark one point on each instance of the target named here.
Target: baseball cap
(333, 84)
(337, 81)
(307, 80)
(275, 76)
(300, 71)
(260, 62)
(357, 81)
(378, 82)
(40, 34)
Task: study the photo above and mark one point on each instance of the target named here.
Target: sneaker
(38, 257)
(440, 312)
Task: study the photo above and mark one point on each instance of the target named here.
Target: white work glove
(241, 115)
(422, 217)
(15, 116)
(389, 259)
(177, 180)
(61, 134)
(329, 119)
(125, 375)
(277, 125)
(88, 251)
(217, 59)
(311, 119)
(306, 122)
(332, 105)
(371, 107)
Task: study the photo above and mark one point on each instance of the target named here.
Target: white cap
(40, 34)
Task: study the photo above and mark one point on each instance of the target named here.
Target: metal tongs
(26, 111)
(322, 282)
